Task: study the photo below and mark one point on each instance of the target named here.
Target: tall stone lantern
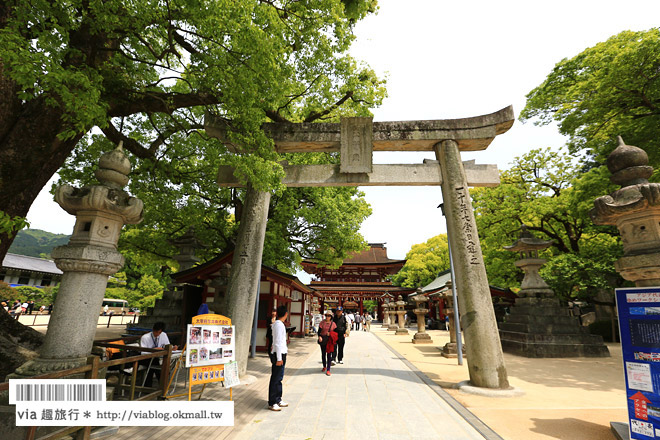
(532, 286)
(635, 210)
(450, 349)
(392, 311)
(87, 261)
(400, 311)
(386, 314)
(421, 337)
(537, 325)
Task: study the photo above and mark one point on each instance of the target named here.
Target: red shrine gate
(361, 277)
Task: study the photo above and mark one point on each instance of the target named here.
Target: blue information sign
(639, 327)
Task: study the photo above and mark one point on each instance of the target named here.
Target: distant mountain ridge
(34, 242)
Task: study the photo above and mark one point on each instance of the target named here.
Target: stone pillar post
(450, 349)
(485, 358)
(87, 261)
(635, 210)
(385, 315)
(400, 305)
(421, 337)
(246, 271)
(392, 312)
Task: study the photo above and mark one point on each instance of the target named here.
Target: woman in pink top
(325, 327)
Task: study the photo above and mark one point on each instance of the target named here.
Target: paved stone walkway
(373, 395)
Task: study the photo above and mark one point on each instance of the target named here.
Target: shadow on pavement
(570, 428)
(344, 370)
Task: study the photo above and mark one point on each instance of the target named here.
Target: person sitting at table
(156, 338)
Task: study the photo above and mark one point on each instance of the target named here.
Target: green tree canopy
(424, 261)
(145, 73)
(547, 191)
(610, 89)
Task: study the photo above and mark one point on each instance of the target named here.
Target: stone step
(173, 295)
(170, 321)
(540, 350)
(577, 338)
(539, 310)
(543, 319)
(541, 328)
(160, 311)
(536, 302)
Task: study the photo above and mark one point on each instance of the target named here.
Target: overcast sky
(454, 59)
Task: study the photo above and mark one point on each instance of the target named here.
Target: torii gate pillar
(484, 350)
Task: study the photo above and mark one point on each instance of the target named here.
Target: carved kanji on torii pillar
(356, 139)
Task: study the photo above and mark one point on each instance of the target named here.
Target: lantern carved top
(629, 167)
(527, 242)
(114, 168)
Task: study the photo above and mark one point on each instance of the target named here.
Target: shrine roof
(360, 288)
(374, 256)
(24, 262)
(438, 283)
(211, 268)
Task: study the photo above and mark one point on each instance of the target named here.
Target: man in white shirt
(278, 360)
(156, 338)
(351, 319)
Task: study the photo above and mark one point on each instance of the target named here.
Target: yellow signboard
(211, 319)
(207, 374)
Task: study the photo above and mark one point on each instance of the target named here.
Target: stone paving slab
(373, 395)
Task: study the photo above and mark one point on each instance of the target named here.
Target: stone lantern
(187, 245)
(421, 337)
(635, 210)
(400, 311)
(532, 286)
(450, 349)
(537, 325)
(87, 260)
(392, 311)
(386, 315)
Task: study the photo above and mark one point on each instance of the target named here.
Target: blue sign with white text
(639, 327)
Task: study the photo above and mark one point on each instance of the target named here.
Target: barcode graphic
(59, 392)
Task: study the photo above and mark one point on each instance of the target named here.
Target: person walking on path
(325, 327)
(17, 309)
(30, 307)
(343, 330)
(278, 361)
(366, 322)
(269, 331)
(330, 348)
(358, 320)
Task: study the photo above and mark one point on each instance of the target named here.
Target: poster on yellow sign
(210, 341)
(209, 345)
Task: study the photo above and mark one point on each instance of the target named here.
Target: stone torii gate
(356, 139)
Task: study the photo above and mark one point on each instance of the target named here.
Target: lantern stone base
(422, 338)
(450, 350)
(540, 328)
(392, 327)
(401, 331)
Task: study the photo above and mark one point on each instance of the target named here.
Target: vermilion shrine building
(206, 284)
(362, 276)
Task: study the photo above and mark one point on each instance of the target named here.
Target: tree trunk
(30, 154)
(18, 344)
